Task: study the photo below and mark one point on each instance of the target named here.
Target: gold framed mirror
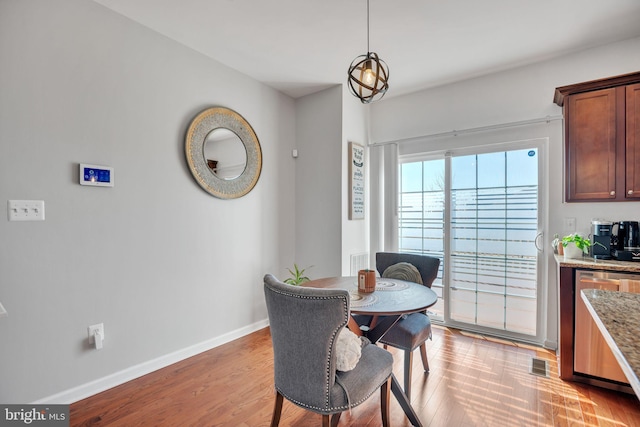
(223, 153)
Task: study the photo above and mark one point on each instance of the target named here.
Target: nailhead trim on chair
(333, 338)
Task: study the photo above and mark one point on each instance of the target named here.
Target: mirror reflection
(225, 154)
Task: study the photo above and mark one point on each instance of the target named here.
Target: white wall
(163, 264)
(317, 198)
(355, 233)
(520, 94)
(326, 122)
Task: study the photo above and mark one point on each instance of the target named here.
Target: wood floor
(474, 381)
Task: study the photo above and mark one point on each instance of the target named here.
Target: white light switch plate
(25, 210)
(3, 312)
(569, 225)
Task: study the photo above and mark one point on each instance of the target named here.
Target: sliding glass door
(478, 212)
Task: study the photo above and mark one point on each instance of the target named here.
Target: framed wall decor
(356, 181)
(223, 153)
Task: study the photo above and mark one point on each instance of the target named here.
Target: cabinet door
(591, 145)
(633, 142)
(592, 354)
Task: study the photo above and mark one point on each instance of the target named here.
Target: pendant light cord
(368, 50)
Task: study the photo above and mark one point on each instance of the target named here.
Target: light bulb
(369, 77)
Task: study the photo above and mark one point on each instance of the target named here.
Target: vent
(539, 367)
(359, 262)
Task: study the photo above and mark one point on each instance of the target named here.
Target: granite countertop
(598, 264)
(617, 315)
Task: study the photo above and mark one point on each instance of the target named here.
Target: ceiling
(302, 46)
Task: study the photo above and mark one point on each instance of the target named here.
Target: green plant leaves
(297, 276)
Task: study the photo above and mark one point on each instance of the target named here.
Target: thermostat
(100, 176)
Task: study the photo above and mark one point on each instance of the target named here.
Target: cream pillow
(348, 350)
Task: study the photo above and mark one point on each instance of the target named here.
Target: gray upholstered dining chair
(305, 323)
(411, 331)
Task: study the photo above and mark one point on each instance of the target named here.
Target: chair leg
(385, 394)
(408, 362)
(423, 353)
(326, 420)
(335, 418)
(277, 410)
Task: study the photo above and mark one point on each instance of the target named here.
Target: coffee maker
(625, 241)
(601, 239)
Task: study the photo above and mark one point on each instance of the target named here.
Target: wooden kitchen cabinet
(571, 351)
(590, 145)
(602, 139)
(633, 141)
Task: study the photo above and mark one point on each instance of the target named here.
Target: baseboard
(101, 384)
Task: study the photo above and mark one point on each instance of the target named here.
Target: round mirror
(223, 153)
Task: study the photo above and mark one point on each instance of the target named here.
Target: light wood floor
(474, 381)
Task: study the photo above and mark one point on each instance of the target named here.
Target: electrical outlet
(99, 328)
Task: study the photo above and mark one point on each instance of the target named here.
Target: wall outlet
(93, 338)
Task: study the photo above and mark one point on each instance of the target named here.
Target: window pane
(491, 170)
(519, 161)
(421, 216)
(463, 172)
(411, 177)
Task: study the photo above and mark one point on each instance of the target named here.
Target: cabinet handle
(630, 192)
(613, 193)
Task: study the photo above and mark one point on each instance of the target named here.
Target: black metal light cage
(368, 78)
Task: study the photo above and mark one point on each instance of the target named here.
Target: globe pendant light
(368, 74)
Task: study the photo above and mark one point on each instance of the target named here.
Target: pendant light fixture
(368, 74)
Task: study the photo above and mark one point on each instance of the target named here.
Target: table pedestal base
(404, 402)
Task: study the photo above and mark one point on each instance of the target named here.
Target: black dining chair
(305, 323)
(412, 330)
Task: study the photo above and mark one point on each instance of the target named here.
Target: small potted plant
(297, 276)
(575, 246)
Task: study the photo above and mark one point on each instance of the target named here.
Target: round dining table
(391, 296)
(391, 300)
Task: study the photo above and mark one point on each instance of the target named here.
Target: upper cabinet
(633, 141)
(602, 139)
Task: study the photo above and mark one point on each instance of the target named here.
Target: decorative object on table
(368, 75)
(575, 246)
(356, 181)
(297, 275)
(225, 134)
(304, 358)
(366, 281)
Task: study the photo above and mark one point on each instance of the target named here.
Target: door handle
(535, 241)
